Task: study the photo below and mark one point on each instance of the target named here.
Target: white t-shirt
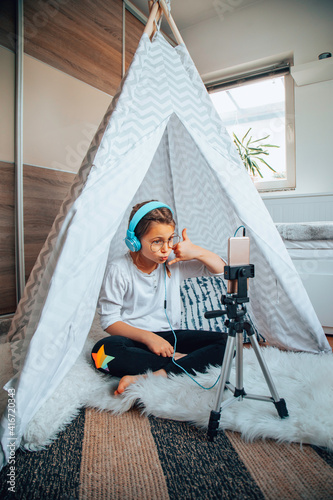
(136, 298)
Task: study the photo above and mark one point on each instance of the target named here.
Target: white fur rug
(304, 380)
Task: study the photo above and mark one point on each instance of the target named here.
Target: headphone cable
(175, 344)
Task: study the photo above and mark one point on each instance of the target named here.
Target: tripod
(236, 310)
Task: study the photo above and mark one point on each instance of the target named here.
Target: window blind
(241, 79)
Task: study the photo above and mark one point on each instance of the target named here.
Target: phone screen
(238, 255)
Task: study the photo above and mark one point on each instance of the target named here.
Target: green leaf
(246, 134)
(262, 139)
(250, 150)
(265, 162)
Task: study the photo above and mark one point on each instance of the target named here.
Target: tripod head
(241, 274)
(233, 301)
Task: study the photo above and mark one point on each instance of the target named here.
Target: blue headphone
(132, 242)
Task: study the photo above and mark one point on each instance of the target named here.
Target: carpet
(304, 380)
(101, 455)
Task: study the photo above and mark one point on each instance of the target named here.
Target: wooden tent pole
(157, 18)
(155, 14)
(171, 22)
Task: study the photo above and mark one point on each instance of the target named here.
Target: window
(264, 104)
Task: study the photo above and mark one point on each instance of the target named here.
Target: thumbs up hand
(185, 250)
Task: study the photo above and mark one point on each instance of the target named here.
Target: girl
(139, 302)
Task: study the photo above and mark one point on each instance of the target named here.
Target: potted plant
(252, 152)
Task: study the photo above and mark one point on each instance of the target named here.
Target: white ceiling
(188, 13)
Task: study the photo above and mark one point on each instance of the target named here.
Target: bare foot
(179, 355)
(127, 380)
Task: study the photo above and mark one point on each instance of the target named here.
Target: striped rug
(101, 456)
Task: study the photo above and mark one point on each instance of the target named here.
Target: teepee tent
(161, 138)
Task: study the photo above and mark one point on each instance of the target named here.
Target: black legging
(203, 348)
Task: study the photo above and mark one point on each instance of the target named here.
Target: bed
(310, 246)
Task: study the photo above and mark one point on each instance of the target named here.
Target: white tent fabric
(160, 139)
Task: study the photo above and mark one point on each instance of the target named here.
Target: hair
(162, 215)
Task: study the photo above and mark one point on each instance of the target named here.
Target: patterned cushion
(199, 295)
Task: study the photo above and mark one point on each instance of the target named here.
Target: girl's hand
(185, 250)
(159, 346)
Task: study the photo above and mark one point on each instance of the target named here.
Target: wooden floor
(329, 338)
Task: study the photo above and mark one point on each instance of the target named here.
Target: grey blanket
(305, 231)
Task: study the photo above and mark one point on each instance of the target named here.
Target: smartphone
(238, 255)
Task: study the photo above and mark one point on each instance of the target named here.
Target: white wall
(261, 29)
(7, 103)
(264, 30)
(60, 114)
(314, 128)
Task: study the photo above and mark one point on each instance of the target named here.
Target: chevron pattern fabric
(161, 138)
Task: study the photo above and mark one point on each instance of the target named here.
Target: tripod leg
(239, 389)
(264, 368)
(225, 370)
(280, 404)
(225, 373)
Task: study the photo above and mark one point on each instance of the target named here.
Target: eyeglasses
(156, 245)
